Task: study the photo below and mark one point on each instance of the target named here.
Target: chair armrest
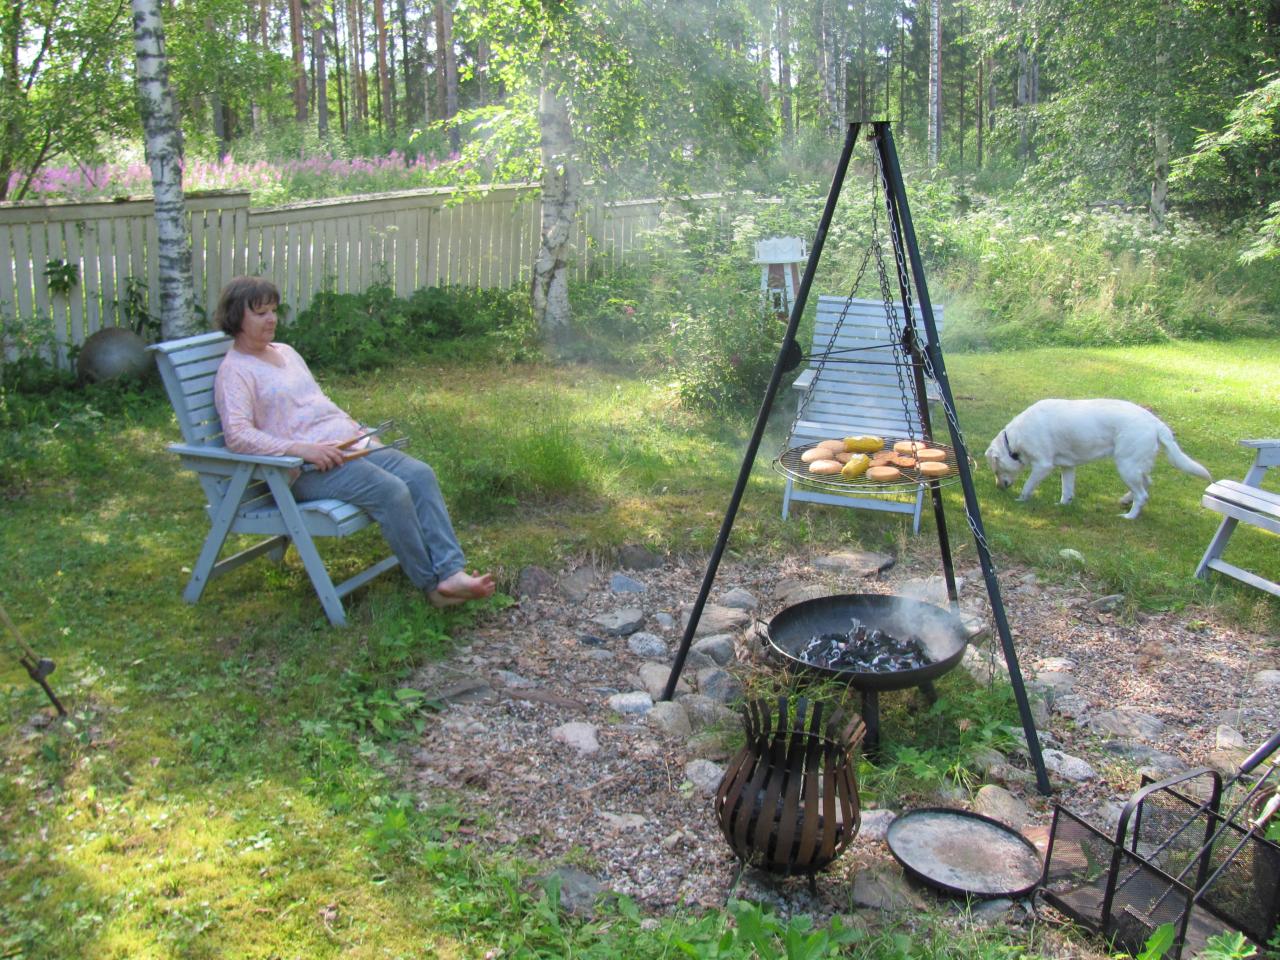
(223, 455)
(802, 382)
(1260, 444)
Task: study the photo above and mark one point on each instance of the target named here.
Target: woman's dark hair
(238, 294)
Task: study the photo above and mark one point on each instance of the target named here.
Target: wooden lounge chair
(1244, 501)
(249, 494)
(858, 394)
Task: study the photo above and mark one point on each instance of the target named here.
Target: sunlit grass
(227, 788)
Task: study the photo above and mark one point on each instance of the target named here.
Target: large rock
(885, 888)
(648, 646)
(719, 685)
(635, 557)
(113, 353)
(535, 582)
(620, 623)
(654, 677)
(999, 804)
(670, 718)
(578, 890)
(1069, 767)
(854, 563)
(1129, 722)
(738, 599)
(621, 583)
(715, 619)
(631, 704)
(705, 775)
(580, 736)
(577, 586)
(718, 649)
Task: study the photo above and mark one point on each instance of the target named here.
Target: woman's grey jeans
(402, 495)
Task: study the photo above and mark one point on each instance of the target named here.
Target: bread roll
(815, 453)
(825, 466)
(882, 473)
(844, 456)
(903, 461)
(835, 446)
(933, 468)
(908, 446)
(881, 458)
(931, 453)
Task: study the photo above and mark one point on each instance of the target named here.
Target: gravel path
(543, 765)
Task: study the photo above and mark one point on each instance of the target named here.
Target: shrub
(357, 331)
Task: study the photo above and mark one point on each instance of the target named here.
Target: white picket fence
(411, 239)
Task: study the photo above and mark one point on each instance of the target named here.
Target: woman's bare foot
(461, 587)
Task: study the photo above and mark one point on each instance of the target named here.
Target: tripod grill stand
(909, 268)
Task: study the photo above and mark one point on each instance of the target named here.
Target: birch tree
(162, 139)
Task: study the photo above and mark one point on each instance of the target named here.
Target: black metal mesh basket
(1174, 859)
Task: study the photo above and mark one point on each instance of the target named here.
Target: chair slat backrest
(861, 388)
(188, 367)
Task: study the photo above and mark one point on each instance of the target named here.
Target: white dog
(1067, 433)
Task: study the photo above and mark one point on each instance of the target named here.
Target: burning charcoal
(863, 650)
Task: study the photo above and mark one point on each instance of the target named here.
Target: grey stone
(718, 648)
(654, 676)
(670, 717)
(981, 664)
(514, 681)
(705, 775)
(705, 712)
(578, 584)
(535, 582)
(697, 660)
(1266, 681)
(1108, 604)
(622, 822)
(991, 912)
(1040, 710)
(580, 736)
(885, 888)
(984, 758)
(710, 745)
(928, 589)
(1128, 722)
(591, 640)
(598, 654)
(1229, 738)
(719, 685)
(1007, 773)
(738, 599)
(1057, 664)
(1071, 705)
(1069, 767)
(664, 620)
(854, 563)
(1056, 681)
(715, 619)
(976, 625)
(632, 703)
(578, 890)
(999, 804)
(875, 824)
(648, 646)
(620, 623)
(621, 583)
(635, 557)
(800, 592)
(1226, 761)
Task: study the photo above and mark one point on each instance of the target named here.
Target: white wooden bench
(1243, 502)
(249, 494)
(858, 392)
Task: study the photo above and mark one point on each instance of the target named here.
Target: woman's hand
(323, 456)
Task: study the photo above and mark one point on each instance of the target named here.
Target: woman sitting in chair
(271, 405)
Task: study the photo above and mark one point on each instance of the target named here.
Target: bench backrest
(858, 389)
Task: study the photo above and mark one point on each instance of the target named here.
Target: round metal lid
(964, 853)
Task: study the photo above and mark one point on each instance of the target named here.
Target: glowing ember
(864, 649)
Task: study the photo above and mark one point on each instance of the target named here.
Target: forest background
(1044, 118)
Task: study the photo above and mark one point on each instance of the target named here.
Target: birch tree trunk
(561, 189)
(322, 76)
(1160, 129)
(447, 69)
(829, 68)
(784, 71)
(162, 137)
(935, 82)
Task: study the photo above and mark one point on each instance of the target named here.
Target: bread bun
(882, 473)
(903, 461)
(932, 468)
(825, 466)
(881, 458)
(844, 456)
(931, 453)
(815, 453)
(908, 446)
(835, 446)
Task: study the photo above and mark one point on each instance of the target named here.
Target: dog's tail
(1176, 456)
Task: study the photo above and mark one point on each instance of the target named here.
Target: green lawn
(227, 788)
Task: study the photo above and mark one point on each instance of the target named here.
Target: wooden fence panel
(412, 238)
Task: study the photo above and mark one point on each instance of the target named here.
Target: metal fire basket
(788, 802)
(1177, 858)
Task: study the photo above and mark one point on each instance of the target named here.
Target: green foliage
(749, 931)
(357, 331)
(1228, 946)
(61, 276)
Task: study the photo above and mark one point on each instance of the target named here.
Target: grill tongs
(367, 434)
